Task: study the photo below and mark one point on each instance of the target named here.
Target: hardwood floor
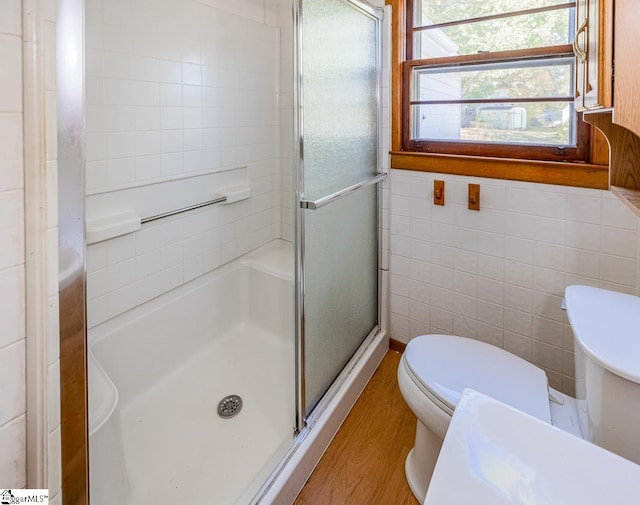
(364, 465)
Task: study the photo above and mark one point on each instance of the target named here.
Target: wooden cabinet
(627, 65)
(624, 156)
(592, 45)
(621, 124)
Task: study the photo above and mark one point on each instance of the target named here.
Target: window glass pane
(519, 32)
(541, 123)
(442, 11)
(524, 79)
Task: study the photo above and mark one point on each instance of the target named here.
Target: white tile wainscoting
(498, 275)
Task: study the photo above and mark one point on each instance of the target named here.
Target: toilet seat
(442, 366)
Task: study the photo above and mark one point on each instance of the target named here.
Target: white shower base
(179, 450)
(156, 374)
(156, 436)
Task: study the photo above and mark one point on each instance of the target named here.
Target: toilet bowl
(435, 369)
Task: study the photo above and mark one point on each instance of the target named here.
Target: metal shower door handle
(326, 200)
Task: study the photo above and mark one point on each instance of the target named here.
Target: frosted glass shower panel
(339, 87)
(341, 289)
(339, 112)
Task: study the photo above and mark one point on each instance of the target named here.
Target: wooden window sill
(583, 175)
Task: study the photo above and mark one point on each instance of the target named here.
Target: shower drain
(229, 406)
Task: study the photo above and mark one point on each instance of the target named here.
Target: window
(492, 78)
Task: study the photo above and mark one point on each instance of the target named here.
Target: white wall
(177, 89)
(498, 275)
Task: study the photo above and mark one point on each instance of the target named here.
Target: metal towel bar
(184, 209)
(326, 200)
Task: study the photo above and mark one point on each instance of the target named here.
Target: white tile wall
(12, 281)
(499, 275)
(286, 97)
(12, 381)
(196, 91)
(132, 269)
(13, 443)
(263, 11)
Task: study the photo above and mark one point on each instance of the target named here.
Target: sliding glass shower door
(338, 199)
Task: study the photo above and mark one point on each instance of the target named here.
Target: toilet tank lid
(445, 365)
(606, 325)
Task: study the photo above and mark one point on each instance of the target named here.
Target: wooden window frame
(590, 173)
(579, 152)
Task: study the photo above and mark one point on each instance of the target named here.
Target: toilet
(435, 369)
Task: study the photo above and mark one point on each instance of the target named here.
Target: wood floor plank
(364, 465)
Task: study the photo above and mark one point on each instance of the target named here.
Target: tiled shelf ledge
(624, 157)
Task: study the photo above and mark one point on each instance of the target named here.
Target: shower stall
(233, 209)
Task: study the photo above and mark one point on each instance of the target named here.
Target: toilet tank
(606, 328)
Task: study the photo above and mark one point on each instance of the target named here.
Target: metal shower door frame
(302, 205)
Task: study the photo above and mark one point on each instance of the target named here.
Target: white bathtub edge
(102, 386)
(294, 475)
